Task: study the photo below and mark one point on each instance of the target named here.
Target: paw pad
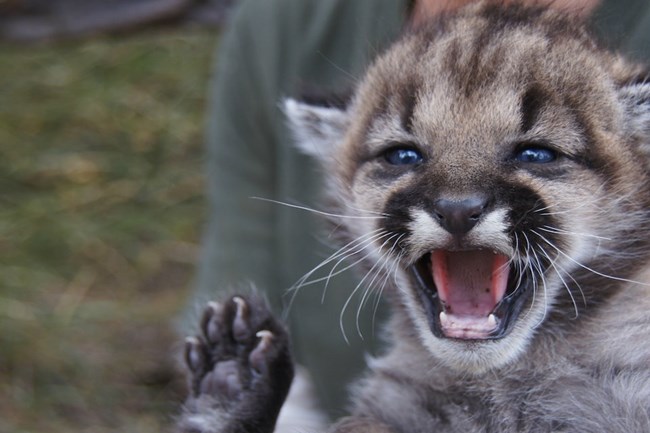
(241, 358)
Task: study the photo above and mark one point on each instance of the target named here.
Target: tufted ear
(317, 129)
(636, 102)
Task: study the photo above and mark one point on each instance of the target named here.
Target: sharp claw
(265, 335)
(258, 356)
(214, 306)
(210, 322)
(241, 305)
(194, 356)
(240, 326)
(212, 328)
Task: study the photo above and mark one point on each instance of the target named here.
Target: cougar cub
(501, 157)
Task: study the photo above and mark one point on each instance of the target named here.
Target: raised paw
(240, 366)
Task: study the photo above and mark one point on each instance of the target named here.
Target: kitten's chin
(477, 356)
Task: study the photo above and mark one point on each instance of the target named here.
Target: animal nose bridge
(459, 216)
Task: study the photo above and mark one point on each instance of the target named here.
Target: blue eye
(403, 156)
(536, 155)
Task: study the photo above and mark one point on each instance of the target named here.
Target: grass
(101, 208)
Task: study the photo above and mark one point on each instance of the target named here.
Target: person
(275, 49)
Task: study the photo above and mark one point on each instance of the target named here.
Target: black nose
(459, 216)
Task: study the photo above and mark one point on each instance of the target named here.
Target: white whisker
(383, 260)
(332, 272)
(534, 266)
(611, 277)
(391, 271)
(566, 286)
(350, 249)
(316, 211)
(356, 289)
(555, 230)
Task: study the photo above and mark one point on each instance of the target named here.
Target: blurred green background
(101, 209)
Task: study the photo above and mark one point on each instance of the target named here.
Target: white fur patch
(426, 233)
(491, 230)
(317, 130)
(300, 412)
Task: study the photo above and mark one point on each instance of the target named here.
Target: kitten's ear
(636, 103)
(318, 130)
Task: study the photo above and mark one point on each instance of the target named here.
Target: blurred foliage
(101, 208)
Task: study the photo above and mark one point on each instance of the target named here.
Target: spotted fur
(508, 135)
(469, 92)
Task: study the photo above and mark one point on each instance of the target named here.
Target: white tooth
(443, 317)
(492, 321)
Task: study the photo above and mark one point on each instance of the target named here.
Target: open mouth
(469, 295)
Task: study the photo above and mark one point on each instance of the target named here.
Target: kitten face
(508, 163)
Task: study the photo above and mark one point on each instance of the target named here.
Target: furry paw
(240, 369)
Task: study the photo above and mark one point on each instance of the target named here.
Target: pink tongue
(469, 283)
